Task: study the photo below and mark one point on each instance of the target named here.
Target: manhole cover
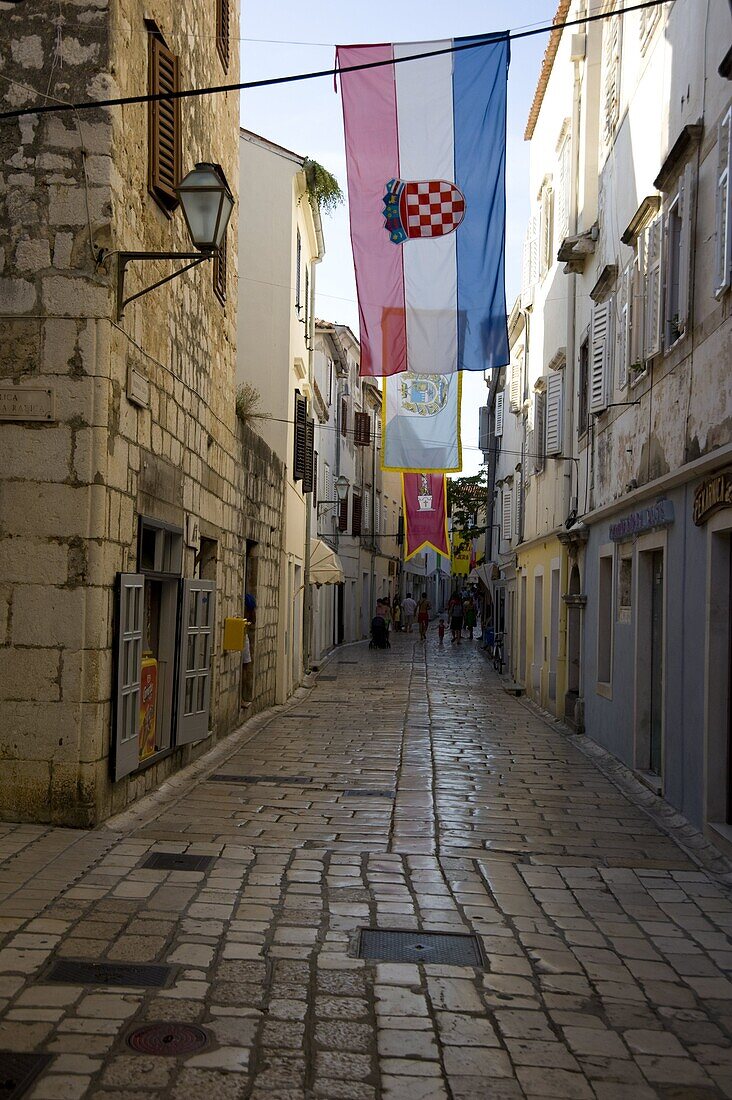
(19, 1071)
(77, 972)
(298, 779)
(354, 792)
(177, 861)
(169, 1039)
(427, 947)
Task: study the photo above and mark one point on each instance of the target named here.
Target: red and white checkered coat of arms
(422, 208)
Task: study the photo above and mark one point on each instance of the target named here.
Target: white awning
(481, 573)
(325, 565)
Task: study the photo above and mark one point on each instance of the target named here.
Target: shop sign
(26, 403)
(714, 493)
(660, 514)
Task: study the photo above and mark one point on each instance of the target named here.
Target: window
(308, 477)
(547, 227)
(362, 429)
(637, 313)
(164, 131)
(344, 416)
(385, 523)
(625, 586)
(565, 181)
(343, 514)
(516, 388)
(219, 272)
(222, 31)
(649, 20)
(519, 501)
(679, 220)
(539, 431)
(357, 515)
(601, 362)
(506, 513)
(622, 349)
(583, 405)
(605, 619)
(328, 489)
(366, 510)
(653, 255)
(484, 441)
(377, 515)
(611, 75)
(306, 303)
(723, 265)
(498, 429)
(298, 265)
(299, 458)
(553, 444)
(530, 262)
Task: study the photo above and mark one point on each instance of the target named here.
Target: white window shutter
(514, 396)
(194, 660)
(624, 308)
(519, 502)
(563, 191)
(498, 429)
(600, 355)
(637, 303)
(547, 228)
(723, 264)
(539, 433)
(130, 627)
(686, 205)
(554, 414)
(654, 288)
(611, 64)
(531, 253)
(507, 513)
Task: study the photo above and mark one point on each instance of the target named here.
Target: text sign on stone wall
(713, 493)
(660, 514)
(26, 403)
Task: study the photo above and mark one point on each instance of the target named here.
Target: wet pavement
(407, 792)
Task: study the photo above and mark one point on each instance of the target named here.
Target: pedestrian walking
(455, 611)
(409, 607)
(423, 616)
(441, 630)
(469, 615)
(396, 614)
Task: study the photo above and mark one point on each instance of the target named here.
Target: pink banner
(372, 153)
(425, 513)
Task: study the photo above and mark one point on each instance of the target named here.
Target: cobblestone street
(606, 952)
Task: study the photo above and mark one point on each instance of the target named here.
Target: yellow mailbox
(235, 633)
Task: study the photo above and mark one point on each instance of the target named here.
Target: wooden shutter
(723, 264)
(366, 523)
(344, 416)
(563, 193)
(600, 355)
(219, 272)
(362, 429)
(164, 138)
(498, 429)
(315, 477)
(519, 501)
(130, 625)
(654, 287)
(308, 477)
(539, 431)
(357, 514)
(515, 388)
(637, 307)
(686, 212)
(223, 23)
(506, 513)
(377, 515)
(531, 253)
(343, 515)
(623, 335)
(611, 62)
(554, 414)
(299, 457)
(547, 228)
(194, 660)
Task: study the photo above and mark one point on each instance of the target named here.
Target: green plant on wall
(323, 188)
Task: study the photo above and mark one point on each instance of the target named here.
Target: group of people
(462, 614)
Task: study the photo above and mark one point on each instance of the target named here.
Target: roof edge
(560, 18)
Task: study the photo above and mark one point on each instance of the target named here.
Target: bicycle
(497, 653)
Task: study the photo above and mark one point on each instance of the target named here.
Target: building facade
(132, 498)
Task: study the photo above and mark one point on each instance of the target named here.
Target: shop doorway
(250, 583)
(522, 631)
(554, 634)
(574, 644)
(656, 687)
(718, 710)
(650, 663)
(538, 649)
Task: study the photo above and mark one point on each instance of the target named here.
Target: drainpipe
(568, 427)
(307, 613)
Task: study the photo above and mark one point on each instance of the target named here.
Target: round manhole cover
(169, 1039)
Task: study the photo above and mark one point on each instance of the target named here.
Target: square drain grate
(177, 861)
(300, 780)
(449, 948)
(79, 972)
(18, 1072)
(327, 678)
(354, 792)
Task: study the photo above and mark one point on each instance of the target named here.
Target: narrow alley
(406, 791)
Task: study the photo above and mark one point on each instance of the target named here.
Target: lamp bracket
(123, 258)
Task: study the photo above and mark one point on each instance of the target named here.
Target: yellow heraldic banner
(421, 423)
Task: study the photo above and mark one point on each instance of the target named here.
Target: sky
(285, 36)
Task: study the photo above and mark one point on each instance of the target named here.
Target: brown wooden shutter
(307, 477)
(357, 514)
(315, 476)
(300, 447)
(343, 515)
(164, 139)
(219, 272)
(344, 416)
(362, 429)
(222, 31)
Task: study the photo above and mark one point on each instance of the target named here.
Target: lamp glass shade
(342, 485)
(207, 205)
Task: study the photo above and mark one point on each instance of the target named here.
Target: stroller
(379, 634)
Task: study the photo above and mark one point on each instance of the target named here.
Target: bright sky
(307, 118)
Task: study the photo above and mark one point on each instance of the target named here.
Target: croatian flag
(426, 157)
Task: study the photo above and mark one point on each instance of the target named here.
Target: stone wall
(71, 491)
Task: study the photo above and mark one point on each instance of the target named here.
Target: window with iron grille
(164, 131)
(357, 515)
(308, 478)
(362, 429)
(223, 15)
(344, 416)
(343, 514)
(299, 458)
(219, 272)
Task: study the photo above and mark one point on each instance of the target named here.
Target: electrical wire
(475, 42)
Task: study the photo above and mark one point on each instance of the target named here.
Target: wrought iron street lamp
(207, 204)
(342, 485)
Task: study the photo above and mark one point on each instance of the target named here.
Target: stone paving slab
(607, 948)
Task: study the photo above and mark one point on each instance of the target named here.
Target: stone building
(134, 506)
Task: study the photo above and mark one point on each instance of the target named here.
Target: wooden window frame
(362, 429)
(223, 32)
(299, 446)
(164, 124)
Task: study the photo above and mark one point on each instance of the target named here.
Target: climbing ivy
(323, 188)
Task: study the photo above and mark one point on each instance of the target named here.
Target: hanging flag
(421, 423)
(425, 513)
(426, 158)
(462, 552)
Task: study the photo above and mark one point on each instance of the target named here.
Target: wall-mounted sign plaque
(26, 403)
(660, 514)
(713, 493)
